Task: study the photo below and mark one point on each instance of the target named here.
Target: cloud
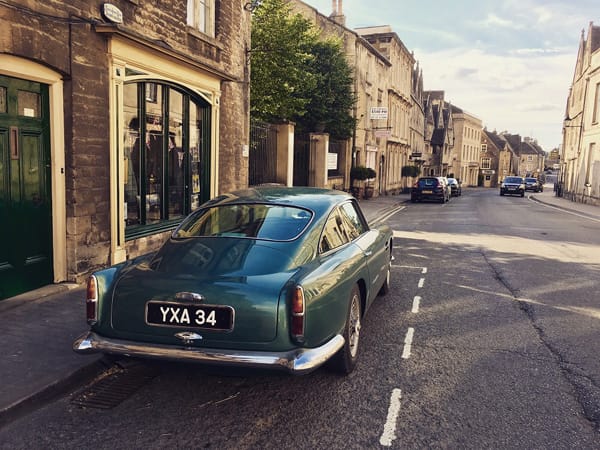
(492, 20)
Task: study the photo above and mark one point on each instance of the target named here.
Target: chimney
(337, 15)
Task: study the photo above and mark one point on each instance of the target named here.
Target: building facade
(580, 159)
(464, 163)
(115, 120)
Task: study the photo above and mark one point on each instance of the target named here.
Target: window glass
(162, 154)
(175, 159)
(195, 127)
(28, 104)
(2, 99)
(154, 144)
(200, 15)
(334, 235)
(132, 149)
(260, 221)
(353, 221)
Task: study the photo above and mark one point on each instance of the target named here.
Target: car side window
(334, 234)
(353, 221)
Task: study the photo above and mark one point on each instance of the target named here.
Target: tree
(332, 100)
(297, 76)
(280, 53)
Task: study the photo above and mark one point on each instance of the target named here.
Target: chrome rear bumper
(297, 361)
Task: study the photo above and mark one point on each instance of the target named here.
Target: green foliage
(362, 173)
(411, 171)
(281, 43)
(296, 76)
(332, 99)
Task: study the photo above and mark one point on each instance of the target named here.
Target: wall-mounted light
(251, 6)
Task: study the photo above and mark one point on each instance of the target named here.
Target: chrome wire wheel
(354, 325)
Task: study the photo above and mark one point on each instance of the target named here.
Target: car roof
(319, 200)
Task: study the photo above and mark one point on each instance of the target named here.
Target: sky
(508, 62)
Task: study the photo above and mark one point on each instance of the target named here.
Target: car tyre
(345, 359)
(385, 288)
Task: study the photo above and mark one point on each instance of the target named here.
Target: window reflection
(162, 154)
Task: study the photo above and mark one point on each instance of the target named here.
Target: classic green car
(268, 277)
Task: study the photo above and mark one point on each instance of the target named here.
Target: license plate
(208, 317)
(427, 192)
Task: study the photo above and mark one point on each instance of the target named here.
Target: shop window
(165, 154)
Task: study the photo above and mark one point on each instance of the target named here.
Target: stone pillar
(285, 154)
(319, 147)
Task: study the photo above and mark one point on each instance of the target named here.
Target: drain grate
(116, 387)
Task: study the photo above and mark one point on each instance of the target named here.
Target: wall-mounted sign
(383, 133)
(378, 112)
(111, 13)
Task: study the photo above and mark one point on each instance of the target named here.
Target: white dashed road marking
(408, 343)
(389, 430)
(416, 304)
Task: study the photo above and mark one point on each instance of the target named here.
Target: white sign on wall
(378, 113)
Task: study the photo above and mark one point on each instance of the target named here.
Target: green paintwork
(25, 199)
(253, 276)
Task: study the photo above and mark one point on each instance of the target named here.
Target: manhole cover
(116, 387)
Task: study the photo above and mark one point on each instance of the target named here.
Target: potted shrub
(360, 174)
(370, 175)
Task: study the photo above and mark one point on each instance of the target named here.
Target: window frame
(167, 219)
(202, 23)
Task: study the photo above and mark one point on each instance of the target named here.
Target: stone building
(495, 160)
(419, 152)
(439, 133)
(397, 128)
(464, 164)
(116, 120)
(580, 159)
(383, 82)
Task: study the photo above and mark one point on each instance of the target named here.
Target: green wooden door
(25, 198)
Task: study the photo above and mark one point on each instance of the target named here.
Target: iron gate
(262, 161)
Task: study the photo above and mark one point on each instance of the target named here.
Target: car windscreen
(531, 180)
(259, 221)
(513, 180)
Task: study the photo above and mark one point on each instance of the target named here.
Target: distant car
(269, 277)
(513, 186)
(430, 188)
(533, 184)
(455, 187)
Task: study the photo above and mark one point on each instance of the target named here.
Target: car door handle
(368, 253)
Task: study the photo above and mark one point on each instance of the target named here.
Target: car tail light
(297, 317)
(91, 300)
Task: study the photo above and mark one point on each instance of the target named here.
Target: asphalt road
(489, 338)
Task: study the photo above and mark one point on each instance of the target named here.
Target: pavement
(37, 363)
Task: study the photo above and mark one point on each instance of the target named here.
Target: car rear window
(428, 182)
(259, 221)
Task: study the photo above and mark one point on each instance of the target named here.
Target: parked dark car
(455, 187)
(513, 186)
(269, 277)
(533, 184)
(430, 188)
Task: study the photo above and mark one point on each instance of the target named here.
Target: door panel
(25, 206)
